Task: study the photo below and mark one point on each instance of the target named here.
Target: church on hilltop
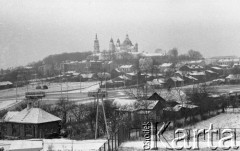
(125, 46)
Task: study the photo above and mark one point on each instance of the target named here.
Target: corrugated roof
(34, 116)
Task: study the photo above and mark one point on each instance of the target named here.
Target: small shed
(30, 123)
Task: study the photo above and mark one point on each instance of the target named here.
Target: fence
(138, 135)
(115, 140)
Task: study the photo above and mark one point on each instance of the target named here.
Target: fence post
(104, 147)
(108, 145)
(204, 134)
(128, 134)
(219, 134)
(112, 143)
(235, 134)
(118, 138)
(174, 132)
(115, 141)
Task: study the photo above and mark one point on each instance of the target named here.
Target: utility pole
(100, 94)
(16, 89)
(80, 82)
(96, 128)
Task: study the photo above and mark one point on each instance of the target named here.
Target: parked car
(38, 87)
(45, 87)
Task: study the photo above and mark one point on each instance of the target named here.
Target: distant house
(46, 69)
(201, 76)
(88, 76)
(179, 74)
(228, 61)
(189, 80)
(210, 75)
(30, 123)
(115, 73)
(233, 78)
(108, 66)
(157, 83)
(179, 111)
(6, 85)
(126, 68)
(95, 66)
(217, 70)
(79, 66)
(189, 68)
(174, 82)
(163, 67)
(197, 62)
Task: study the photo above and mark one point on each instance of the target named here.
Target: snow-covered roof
(233, 76)
(32, 115)
(216, 68)
(9, 115)
(126, 66)
(132, 74)
(153, 54)
(210, 71)
(174, 95)
(195, 61)
(180, 72)
(158, 81)
(147, 104)
(90, 75)
(176, 78)
(166, 65)
(3, 83)
(197, 73)
(184, 105)
(120, 78)
(223, 65)
(192, 78)
(125, 103)
(229, 60)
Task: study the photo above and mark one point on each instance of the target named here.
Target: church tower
(111, 46)
(136, 47)
(118, 43)
(96, 45)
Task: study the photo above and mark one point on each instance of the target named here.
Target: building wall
(37, 131)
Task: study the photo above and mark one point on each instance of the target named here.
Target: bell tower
(111, 46)
(96, 45)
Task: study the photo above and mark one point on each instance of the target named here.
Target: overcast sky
(32, 29)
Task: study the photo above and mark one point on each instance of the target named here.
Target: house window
(29, 130)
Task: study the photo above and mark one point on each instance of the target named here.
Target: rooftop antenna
(16, 89)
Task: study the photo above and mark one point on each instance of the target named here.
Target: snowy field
(52, 88)
(221, 121)
(53, 145)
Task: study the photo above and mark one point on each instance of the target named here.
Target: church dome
(127, 42)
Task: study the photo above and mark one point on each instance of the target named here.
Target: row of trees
(190, 55)
(79, 119)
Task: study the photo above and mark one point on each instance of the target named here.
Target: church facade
(117, 51)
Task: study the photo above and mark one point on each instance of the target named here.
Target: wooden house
(31, 122)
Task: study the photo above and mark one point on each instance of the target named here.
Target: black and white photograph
(119, 75)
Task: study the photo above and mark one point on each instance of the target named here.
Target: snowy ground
(52, 88)
(53, 144)
(221, 121)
